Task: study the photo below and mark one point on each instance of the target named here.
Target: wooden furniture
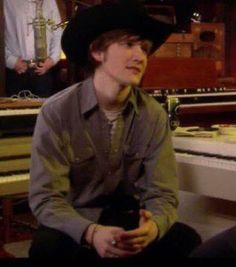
(168, 75)
(177, 45)
(209, 42)
(180, 73)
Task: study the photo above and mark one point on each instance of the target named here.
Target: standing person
(24, 71)
(103, 180)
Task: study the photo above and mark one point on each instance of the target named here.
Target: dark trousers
(41, 86)
(50, 244)
(223, 245)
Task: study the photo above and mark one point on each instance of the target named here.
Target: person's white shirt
(19, 33)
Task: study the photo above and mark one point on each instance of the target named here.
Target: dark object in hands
(123, 211)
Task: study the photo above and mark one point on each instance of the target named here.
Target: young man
(103, 180)
(23, 70)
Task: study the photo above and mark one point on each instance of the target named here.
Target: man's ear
(97, 55)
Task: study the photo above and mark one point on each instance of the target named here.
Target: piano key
(19, 112)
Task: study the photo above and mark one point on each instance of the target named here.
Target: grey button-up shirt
(74, 164)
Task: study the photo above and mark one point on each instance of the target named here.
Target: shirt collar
(88, 96)
(133, 99)
(89, 99)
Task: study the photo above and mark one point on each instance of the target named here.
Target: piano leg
(7, 218)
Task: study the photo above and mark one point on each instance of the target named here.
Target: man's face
(124, 61)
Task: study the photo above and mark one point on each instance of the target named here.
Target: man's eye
(146, 49)
(129, 44)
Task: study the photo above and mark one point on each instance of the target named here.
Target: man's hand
(141, 236)
(20, 66)
(115, 242)
(106, 245)
(43, 67)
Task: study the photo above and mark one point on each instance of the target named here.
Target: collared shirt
(19, 33)
(74, 166)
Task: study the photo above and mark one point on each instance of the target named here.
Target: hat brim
(88, 24)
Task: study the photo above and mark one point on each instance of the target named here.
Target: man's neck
(110, 94)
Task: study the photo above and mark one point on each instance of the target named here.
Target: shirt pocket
(133, 162)
(83, 168)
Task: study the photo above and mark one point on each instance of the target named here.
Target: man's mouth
(134, 69)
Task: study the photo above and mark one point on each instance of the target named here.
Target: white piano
(207, 166)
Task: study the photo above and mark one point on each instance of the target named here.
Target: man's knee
(49, 243)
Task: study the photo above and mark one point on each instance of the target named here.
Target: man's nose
(138, 53)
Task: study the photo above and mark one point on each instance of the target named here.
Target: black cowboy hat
(86, 25)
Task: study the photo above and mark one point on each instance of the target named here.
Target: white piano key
(19, 112)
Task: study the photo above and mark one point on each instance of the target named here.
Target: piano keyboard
(210, 162)
(14, 184)
(209, 176)
(13, 147)
(223, 146)
(19, 112)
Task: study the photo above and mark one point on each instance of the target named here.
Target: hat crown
(88, 24)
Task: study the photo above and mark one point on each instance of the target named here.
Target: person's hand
(140, 237)
(20, 66)
(107, 246)
(43, 67)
